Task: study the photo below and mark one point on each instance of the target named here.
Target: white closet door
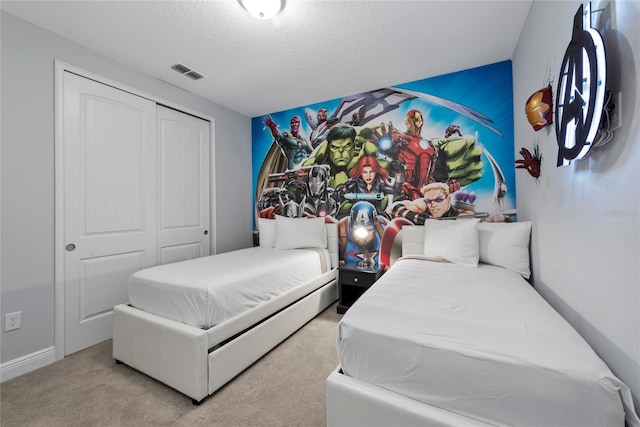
(109, 203)
(183, 193)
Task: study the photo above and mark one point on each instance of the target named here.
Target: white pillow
(455, 241)
(294, 233)
(412, 240)
(267, 234)
(506, 245)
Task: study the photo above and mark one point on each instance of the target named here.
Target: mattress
(206, 291)
(480, 342)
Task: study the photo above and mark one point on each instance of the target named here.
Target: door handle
(206, 232)
(70, 247)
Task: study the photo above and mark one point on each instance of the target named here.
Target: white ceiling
(313, 51)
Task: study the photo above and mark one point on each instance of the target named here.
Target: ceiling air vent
(186, 71)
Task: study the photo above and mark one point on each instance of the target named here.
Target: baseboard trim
(25, 364)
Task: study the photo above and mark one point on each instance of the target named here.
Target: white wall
(586, 235)
(27, 172)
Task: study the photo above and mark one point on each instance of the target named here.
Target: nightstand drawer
(357, 278)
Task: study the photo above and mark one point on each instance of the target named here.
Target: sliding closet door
(183, 186)
(110, 177)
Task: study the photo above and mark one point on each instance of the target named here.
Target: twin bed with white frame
(196, 324)
(453, 335)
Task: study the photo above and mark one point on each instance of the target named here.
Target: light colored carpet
(284, 388)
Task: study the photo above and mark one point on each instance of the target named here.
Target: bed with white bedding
(443, 343)
(196, 324)
(204, 292)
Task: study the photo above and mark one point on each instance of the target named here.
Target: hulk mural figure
(341, 151)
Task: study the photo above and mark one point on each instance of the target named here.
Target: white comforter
(206, 291)
(478, 342)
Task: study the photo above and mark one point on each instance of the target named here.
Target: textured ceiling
(315, 50)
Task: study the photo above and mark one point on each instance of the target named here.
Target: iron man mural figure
(417, 154)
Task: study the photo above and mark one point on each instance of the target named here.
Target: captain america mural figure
(360, 235)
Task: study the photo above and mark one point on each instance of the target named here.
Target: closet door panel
(109, 191)
(183, 192)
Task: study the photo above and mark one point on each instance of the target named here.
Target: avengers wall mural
(441, 147)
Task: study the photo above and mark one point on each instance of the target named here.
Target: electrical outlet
(12, 321)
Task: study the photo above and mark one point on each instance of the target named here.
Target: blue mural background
(486, 90)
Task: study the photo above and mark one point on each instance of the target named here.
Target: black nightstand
(353, 282)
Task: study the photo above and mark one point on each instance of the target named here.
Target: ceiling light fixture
(262, 9)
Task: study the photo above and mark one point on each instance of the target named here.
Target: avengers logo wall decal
(580, 97)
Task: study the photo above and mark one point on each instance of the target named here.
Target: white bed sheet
(206, 291)
(477, 342)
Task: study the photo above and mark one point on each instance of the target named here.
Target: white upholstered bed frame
(197, 362)
(352, 402)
